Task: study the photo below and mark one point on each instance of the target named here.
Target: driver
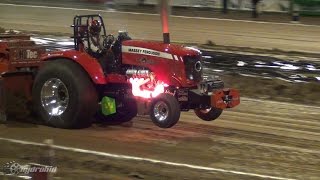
(100, 46)
(95, 39)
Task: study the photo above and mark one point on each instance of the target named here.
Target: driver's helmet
(95, 27)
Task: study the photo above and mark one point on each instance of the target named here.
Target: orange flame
(139, 91)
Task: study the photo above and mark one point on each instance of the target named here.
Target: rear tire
(208, 114)
(63, 95)
(165, 111)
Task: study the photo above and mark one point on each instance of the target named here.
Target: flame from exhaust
(138, 91)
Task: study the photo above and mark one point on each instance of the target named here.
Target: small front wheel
(208, 114)
(165, 111)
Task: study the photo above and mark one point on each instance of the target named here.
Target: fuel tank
(176, 65)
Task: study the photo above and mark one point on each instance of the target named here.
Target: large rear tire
(165, 111)
(63, 95)
(208, 114)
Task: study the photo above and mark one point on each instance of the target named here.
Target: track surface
(269, 138)
(183, 29)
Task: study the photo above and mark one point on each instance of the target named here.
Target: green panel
(308, 2)
(310, 13)
(308, 7)
(108, 106)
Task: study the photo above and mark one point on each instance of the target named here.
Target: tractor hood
(175, 65)
(158, 46)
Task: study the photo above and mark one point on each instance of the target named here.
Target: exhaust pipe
(164, 13)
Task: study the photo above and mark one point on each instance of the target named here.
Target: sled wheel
(63, 95)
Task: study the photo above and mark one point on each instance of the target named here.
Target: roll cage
(81, 29)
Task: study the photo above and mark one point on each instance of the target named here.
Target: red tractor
(128, 77)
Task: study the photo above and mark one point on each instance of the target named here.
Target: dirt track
(222, 32)
(267, 138)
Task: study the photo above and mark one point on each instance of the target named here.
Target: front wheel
(165, 111)
(208, 114)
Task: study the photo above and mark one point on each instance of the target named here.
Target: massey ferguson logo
(28, 54)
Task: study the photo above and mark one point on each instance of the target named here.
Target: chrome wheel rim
(54, 97)
(161, 111)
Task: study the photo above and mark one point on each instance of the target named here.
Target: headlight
(198, 66)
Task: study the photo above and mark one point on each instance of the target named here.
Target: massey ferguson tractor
(68, 88)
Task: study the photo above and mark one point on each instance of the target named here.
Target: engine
(145, 84)
(137, 73)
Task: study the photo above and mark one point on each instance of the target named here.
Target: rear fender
(88, 63)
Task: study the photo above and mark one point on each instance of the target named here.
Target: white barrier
(264, 5)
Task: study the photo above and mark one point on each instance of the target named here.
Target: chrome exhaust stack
(164, 14)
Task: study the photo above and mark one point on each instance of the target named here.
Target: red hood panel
(165, 60)
(160, 46)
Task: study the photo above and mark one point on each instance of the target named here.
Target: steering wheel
(108, 41)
